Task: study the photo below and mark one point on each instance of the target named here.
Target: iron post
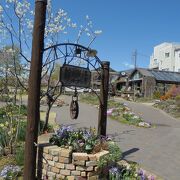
(33, 115)
(102, 119)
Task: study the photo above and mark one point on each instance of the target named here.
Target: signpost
(75, 76)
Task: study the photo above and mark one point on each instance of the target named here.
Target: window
(166, 69)
(178, 70)
(167, 55)
(155, 61)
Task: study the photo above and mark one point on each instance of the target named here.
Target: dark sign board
(75, 76)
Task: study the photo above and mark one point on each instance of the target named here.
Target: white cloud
(127, 65)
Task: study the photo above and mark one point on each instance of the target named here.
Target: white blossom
(97, 32)
(87, 17)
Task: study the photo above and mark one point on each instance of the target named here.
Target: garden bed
(169, 106)
(118, 111)
(63, 163)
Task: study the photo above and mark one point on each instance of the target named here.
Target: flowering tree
(16, 25)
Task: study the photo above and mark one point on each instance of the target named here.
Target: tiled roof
(166, 75)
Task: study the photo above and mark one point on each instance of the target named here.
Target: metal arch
(76, 45)
(71, 56)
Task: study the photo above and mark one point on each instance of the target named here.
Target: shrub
(156, 95)
(173, 91)
(19, 156)
(178, 100)
(80, 140)
(50, 128)
(110, 159)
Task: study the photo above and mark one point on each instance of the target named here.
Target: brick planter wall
(61, 163)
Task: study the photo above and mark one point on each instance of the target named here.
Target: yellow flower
(6, 123)
(1, 125)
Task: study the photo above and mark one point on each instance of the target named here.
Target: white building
(166, 57)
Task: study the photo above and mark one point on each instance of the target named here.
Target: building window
(178, 70)
(167, 55)
(166, 69)
(155, 61)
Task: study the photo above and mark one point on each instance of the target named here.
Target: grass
(52, 117)
(90, 99)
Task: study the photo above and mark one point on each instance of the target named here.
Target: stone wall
(61, 163)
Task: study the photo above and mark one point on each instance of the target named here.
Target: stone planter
(61, 163)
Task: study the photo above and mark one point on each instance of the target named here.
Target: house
(96, 77)
(166, 57)
(146, 81)
(122, 80)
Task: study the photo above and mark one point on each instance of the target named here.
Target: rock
(144, 124)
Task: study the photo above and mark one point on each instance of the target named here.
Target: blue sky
(127, 25)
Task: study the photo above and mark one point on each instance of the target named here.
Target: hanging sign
(75, 76)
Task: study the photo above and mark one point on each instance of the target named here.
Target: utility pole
(134, 58)
(33, 115)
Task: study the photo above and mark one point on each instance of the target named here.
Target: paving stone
(60, 165)
(70, 166)
(65, 172)
(59, 177)
(91, 163)
(92, 157)
(47, 148)
(64, 160)
(51, 163)
(81, 163)
(56, 158)
(66, 152)
(47, 157)
(54, 151)
(101, 154)
(80, 156)
(76, 173)
(55, 170)
(70, 177)
(83, 174)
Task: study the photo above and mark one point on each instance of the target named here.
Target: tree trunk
(45, 128)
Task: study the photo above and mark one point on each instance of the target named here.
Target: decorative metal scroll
(77, 64)
(75, 76)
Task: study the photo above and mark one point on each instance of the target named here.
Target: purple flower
(109, 111)
(87, 135)
(142, 175)
(151, 177)
(105, 138)
(81, 143)
(114, 170)
(9, 168)
(63, 131)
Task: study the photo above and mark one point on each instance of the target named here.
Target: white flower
(97, 32)
(87, 17)
(74, 25)
(88, 34)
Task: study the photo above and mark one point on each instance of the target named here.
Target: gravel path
(156, 148)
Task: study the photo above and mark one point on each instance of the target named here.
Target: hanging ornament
(74, 107)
